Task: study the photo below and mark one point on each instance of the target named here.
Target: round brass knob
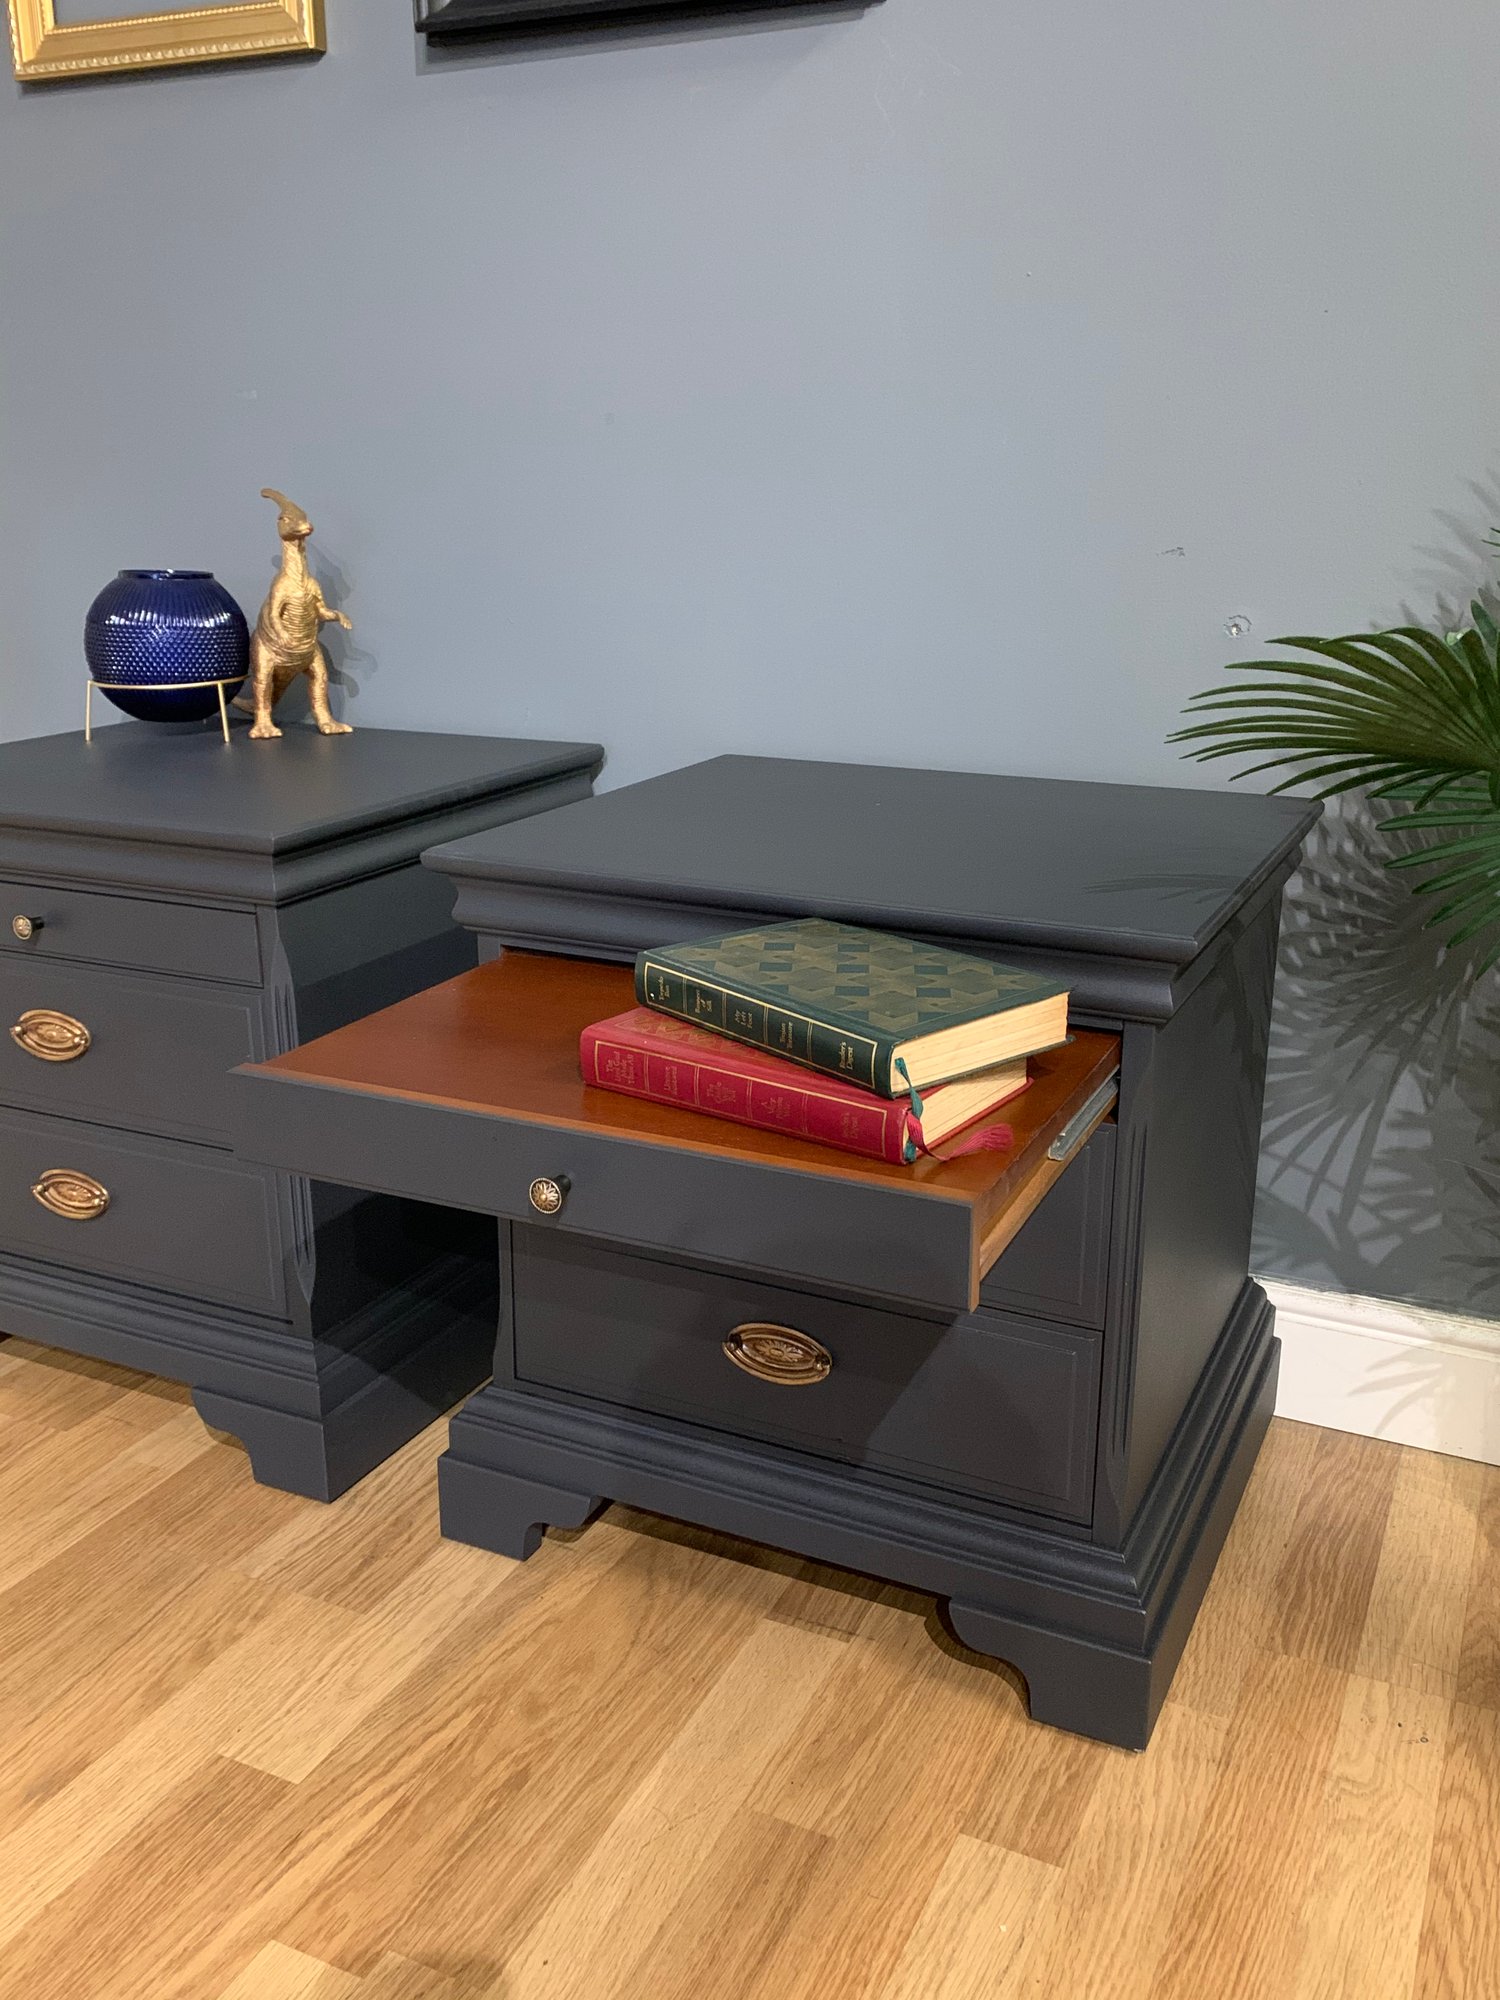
(25, 928)
(548, 1193)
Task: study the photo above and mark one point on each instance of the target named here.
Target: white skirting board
(1385, 1370)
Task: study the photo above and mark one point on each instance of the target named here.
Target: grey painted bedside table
(170, 906)
(1042, 1377)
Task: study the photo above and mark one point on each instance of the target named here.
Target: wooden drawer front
(185, 938)
(156, 1057)
(178, 1216)
(988, 1403)
(1059, 1262)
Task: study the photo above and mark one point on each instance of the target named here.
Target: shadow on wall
(349, 663)
(1466, 551)
(1380, 1157)
(716, 19)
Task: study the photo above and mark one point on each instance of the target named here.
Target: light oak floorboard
(1361, 1925)
(597, 1937)
(542, 1758)
(921, 1742)
(1414, 1623)
(1323, 1587)
(1479, 1655)
(256, 1749)
(1247, 1600)
(973, 1925)
(278, 1974)
(1135, 1841)
(1237, 1927)
(62, 1390)
(1460, 1945)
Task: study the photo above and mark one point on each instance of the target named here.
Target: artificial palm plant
(1403, 715)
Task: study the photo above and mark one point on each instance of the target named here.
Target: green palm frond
(1385, 711)
(1403, 715)
(1463, 868)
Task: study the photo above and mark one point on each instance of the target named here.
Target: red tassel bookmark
(986, 1139)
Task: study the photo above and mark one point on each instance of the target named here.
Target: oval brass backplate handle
(73, 1196)
(51, 1037)
(778, 1354)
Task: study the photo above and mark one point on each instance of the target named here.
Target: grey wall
(931, 384)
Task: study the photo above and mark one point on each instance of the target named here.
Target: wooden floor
(252, 1748)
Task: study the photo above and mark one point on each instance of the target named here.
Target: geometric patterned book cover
(833, 996)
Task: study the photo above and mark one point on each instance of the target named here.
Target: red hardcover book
(646, 1054)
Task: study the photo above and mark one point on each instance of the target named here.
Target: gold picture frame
(45, 51)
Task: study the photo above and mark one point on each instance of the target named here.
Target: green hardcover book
(881, 1011)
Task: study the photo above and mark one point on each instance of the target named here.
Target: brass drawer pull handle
(548, 1192)
(26, 928)
(51, 1037)
(778, 1354)
(75, 1197)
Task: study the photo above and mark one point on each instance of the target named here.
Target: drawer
(190, 939)
(1058, 1264)
(985, 1403)
(470, 1095)
(177, 1216)
(152, 1055)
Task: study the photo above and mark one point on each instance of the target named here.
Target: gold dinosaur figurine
(285, 641)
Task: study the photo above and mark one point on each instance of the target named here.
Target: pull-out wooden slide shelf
(470, 1094)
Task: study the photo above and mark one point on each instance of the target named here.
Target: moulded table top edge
(540, 761)
(483, 859)
(1162, 949)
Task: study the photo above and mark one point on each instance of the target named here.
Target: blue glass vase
(152, 630)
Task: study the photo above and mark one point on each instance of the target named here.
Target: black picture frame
(445, 20)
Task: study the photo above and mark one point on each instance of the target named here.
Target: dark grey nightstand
(170, 906)
(1043, 1393)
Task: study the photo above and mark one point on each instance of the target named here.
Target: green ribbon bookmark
(916, 1101)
